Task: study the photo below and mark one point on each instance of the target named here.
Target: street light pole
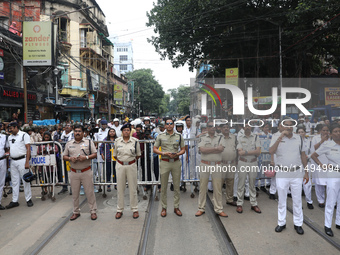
(280, 48)
(56, 71)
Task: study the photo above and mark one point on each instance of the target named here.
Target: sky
(126, 20)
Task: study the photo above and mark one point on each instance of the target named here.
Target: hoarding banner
(332, 96)
(91, 101)
(37, 43)
(118, 93)
(231, 76)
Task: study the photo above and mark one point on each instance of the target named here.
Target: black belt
(21, 157)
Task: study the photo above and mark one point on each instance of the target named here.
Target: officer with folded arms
(79, 152)
(127, 151)
(20, 153)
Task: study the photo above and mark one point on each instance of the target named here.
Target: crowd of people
(215, 153)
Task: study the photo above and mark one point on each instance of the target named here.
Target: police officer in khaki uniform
(79, 152)
(171, 142)
(249, 148)
(211, 146)
(127, 151)
(229, 155)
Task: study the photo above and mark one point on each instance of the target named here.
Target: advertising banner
(37, 43)
(231, 76)
(118, 93)
(332, 96)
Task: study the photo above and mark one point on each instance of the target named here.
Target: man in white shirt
(3, 166)
(117, 127)
(291, 162)
(20, 153)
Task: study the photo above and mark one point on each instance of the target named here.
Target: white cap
(146, 118)
(116, 119)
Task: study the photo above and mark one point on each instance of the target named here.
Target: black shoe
(257, 189)
(171, 187)
(12, 205)
(10, 191)
(328, 231)
(21, 189)
(246, 198)
(289, 195)
(29, 203)
(337, 226)
(63, 191)
(272, 196)
(210, 190)
(263, 188)
(2, 207)
(224, 186)
(235, 199)
(322, 205)
(310, 206)
(280, 228)
(299, 230)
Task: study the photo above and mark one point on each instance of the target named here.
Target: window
(123, 67)
(123, 58)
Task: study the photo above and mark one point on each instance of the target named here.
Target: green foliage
(147, 90)
(180, 100)
(228, 33)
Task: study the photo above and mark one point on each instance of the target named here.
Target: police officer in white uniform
(331, 149)
(3, 163)
(99, 137)
(291, 162)
(20, 153)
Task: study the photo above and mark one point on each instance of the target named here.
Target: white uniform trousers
(3, 168)
(283, 182)
(272, 189)
(333, 196)
(320, 193)
(307, 188)
(17, 171)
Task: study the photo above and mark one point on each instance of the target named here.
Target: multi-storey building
(123, 57)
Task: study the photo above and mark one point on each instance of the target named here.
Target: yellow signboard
(118, 92)
(37, 43)
(332, 96)
(231, 76)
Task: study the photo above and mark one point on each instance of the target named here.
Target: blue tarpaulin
(45, 122)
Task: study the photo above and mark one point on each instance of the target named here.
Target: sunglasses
(169, 123)
(210, 126)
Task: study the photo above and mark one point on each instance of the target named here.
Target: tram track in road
(147, 242)
(55, 231)
(309, 222)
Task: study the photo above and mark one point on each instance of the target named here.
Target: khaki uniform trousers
(85, 178)
(216, 176)
(229, 177)
(129, 173)
(165, 169)
(244, 169)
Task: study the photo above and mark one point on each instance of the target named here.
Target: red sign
(1, 53)
(16, 94)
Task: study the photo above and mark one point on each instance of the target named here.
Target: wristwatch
(87, 157)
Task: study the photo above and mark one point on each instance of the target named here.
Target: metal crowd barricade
(44, 163)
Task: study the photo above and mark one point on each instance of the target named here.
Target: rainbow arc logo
(210, 94)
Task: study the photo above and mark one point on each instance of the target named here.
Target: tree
(164, 106)
(180, 100)
(230, 33)
(147, 90)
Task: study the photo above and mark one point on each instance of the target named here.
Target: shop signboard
(37, 43)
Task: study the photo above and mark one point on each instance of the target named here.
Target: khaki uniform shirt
(207, 142)
(74, 148)
(248, 143)
(126, 151)
(229, 144)
(169, 143)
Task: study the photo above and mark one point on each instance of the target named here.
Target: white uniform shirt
(3, 144)
(332, 151)
(288, 151)
(101, 135)
(67, 137)
(118, 132)
(17, 144)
